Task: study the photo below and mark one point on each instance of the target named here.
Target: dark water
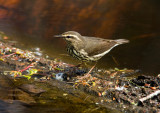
(137, 21)
(56, 106)
(33, 23)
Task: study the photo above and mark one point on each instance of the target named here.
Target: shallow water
(136, 21)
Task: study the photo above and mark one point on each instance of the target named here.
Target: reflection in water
(52, 107)
(15, 107)
(137, 21)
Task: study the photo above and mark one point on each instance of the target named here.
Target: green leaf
(27, 76)
(59, 69)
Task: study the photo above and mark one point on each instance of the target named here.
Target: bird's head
(71, 37)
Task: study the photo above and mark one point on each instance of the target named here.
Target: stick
(150, 96)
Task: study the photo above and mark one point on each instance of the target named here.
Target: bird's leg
(88, 74)
(91, 69)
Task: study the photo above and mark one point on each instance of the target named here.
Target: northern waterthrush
(86, 48)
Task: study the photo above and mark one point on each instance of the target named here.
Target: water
(136, 21)
(34, 24)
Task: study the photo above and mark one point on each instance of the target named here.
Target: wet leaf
(27, 76)
(15, 73)
(32, 71)
(116, 69)
(59, 69)
(93, 84)
(153, 88)
(1, 59)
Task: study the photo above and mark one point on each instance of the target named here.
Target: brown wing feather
(96, 46)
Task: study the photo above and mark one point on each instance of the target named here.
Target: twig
(115, 61)
(8, 55)
(86, 98)
(91, 69)
(88, 74)
(27, 67)
(150, 96)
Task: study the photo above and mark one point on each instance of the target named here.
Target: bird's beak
(61, 36)
(58, 36)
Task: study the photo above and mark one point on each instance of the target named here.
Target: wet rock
(61, 76)
(31, 89)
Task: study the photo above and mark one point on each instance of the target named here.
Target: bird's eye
(68, 36)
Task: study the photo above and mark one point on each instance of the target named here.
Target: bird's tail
(122, 41)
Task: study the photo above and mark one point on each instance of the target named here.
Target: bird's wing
(95, 46)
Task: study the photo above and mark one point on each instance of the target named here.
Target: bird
(88, 49)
